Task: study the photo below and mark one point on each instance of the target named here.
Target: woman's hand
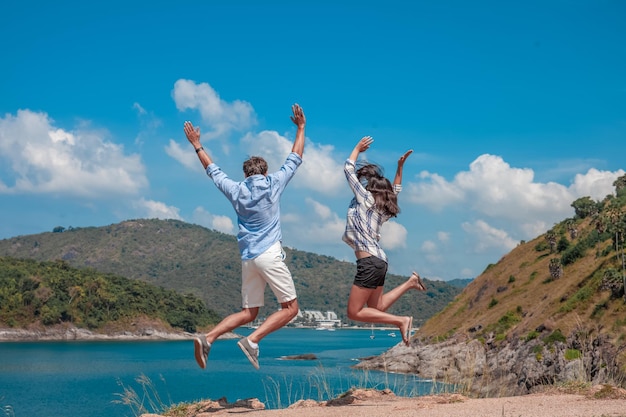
(404, 157)
(398, 178)
(364, 144)
(361, 146)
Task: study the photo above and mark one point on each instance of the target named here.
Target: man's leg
(231, 322)
(272, 268)
(202, 343)
(275, 321)
(250, 345)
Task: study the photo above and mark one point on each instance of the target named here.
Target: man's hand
(193, 134)
(299, 119)
(298, 115)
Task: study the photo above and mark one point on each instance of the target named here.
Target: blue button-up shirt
(256, 201)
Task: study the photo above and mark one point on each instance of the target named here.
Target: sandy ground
(369, 403)
(527, 406)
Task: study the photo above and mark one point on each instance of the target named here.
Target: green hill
(49, 293)
(194, 260)
(564, 284)
(460, 282)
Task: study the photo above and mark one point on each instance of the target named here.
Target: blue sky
(513, 110)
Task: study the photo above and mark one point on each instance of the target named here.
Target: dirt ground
(596, 402)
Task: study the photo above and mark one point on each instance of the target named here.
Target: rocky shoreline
(507, 368)
(69, 333)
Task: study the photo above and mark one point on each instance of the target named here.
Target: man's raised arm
(300, 120)
(193, 136)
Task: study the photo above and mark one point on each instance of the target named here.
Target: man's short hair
(254, 166)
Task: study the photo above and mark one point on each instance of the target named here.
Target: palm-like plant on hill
(571, 228)
(613, 219)
(551, 239)
(556, 268)
(612, 281)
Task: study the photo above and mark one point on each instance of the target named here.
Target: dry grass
(520, 282)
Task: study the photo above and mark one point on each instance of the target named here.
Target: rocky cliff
(520, 367)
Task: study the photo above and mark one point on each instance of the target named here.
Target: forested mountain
(194, 260)
(49, 293)
(460, 282)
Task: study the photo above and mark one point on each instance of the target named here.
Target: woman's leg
(384, 301)
(357, 311)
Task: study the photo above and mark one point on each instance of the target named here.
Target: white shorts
(266, 269)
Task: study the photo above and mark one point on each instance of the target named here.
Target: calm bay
(56, 379)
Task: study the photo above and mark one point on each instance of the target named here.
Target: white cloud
(222, 116)
(183, 155)
(223, 224)
(486, 237)
(269, 145)
(140, 109)
(322, 211)
(323, 226)
(149, 124)
(157, 210)
(595, 184)
(318, 172)
(44, 158)
(59, 136)
(443, 236)
(433, 191)
(496, 190)
(467, 272)
(431, 252)
(429, 246)
(393, 235)
(212, 221)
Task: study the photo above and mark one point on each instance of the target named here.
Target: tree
(563, 244)
(584, 207)
(620, 185)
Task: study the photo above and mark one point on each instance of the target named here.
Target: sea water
(89, 379)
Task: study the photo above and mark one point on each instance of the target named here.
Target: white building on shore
(319, 319)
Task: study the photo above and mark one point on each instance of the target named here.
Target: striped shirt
(364, 221)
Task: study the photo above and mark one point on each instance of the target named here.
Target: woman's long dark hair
(385, 200)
